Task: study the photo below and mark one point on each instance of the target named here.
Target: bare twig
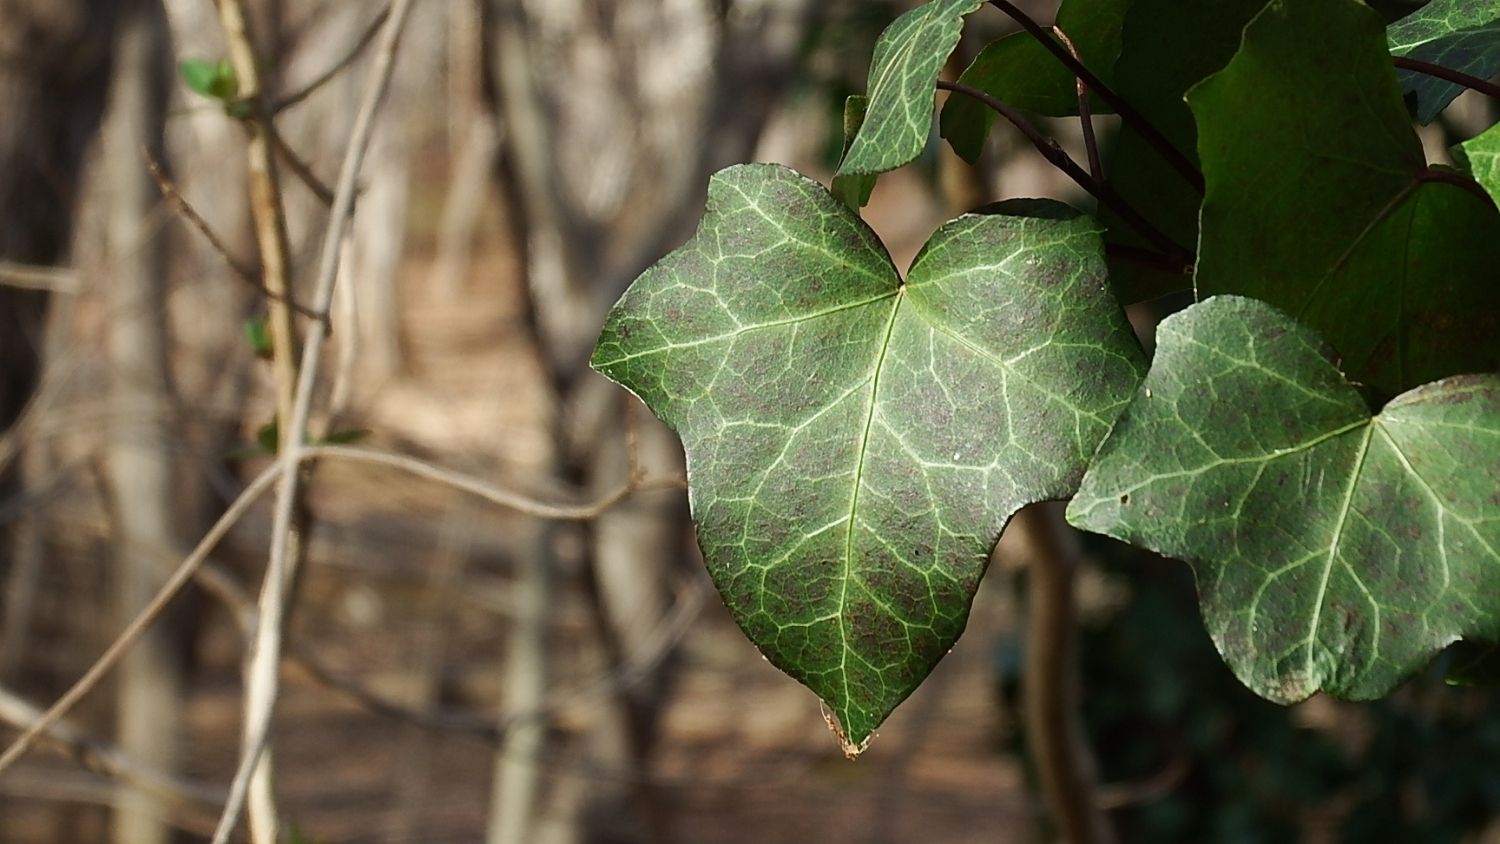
(84, 787)
(1059, 159)
(107, 758)
(1489, 89)
(1127, 112)
(179, 202)
(665, 638)
(301, 169)
(269, 215)
(1085, 113)
(1054, 734)
(508, 499)
(262, 673)
(265, 203)
(132, 633)
(463, 724)
(28, 277)
(338, 67)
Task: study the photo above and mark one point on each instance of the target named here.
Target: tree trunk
(139, 464)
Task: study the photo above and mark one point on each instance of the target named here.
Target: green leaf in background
(1021, 72)
(1320, 202)
(1200, 37)
(268, 437)
(854, 191)
(348, 436)
(903, 80)
(1334, 551)
(259, 335)
(1462, 35)
(855, 444)
(1480, 157)
(215, 80)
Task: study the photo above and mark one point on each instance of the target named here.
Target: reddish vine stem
(1085, 114)
(1474, 83)
(1059, 159)
(1458, 180)
(1127, 112)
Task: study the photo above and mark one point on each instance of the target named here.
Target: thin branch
(107, 758)
(1458, 180)
(268, 212)
(328, 75)
(1059, 159)
(1127, 112)
(631, 671)
(82, 787)
(262, 672)
(179, 203)
(1085, 113)
(142, 622)
(1489, 89)
(30, 277)
(496, 495)
(301, 169)
(472, 726)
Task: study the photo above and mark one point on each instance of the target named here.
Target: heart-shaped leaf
(1321, 202)
(855, 443)
(903, 80)
(1462, 35)
(1333, 550)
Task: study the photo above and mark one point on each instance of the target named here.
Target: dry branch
(262, 674)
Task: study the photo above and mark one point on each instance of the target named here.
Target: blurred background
(457, 672)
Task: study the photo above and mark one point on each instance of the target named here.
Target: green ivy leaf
(903, 80)
(855, 444)
(1462, 35)
(1334, 551)
(1480, 158)
(215, 80)
(1020, 72)
(854, 191)
(1320, 201)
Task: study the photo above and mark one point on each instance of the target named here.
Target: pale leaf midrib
(859, 471)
